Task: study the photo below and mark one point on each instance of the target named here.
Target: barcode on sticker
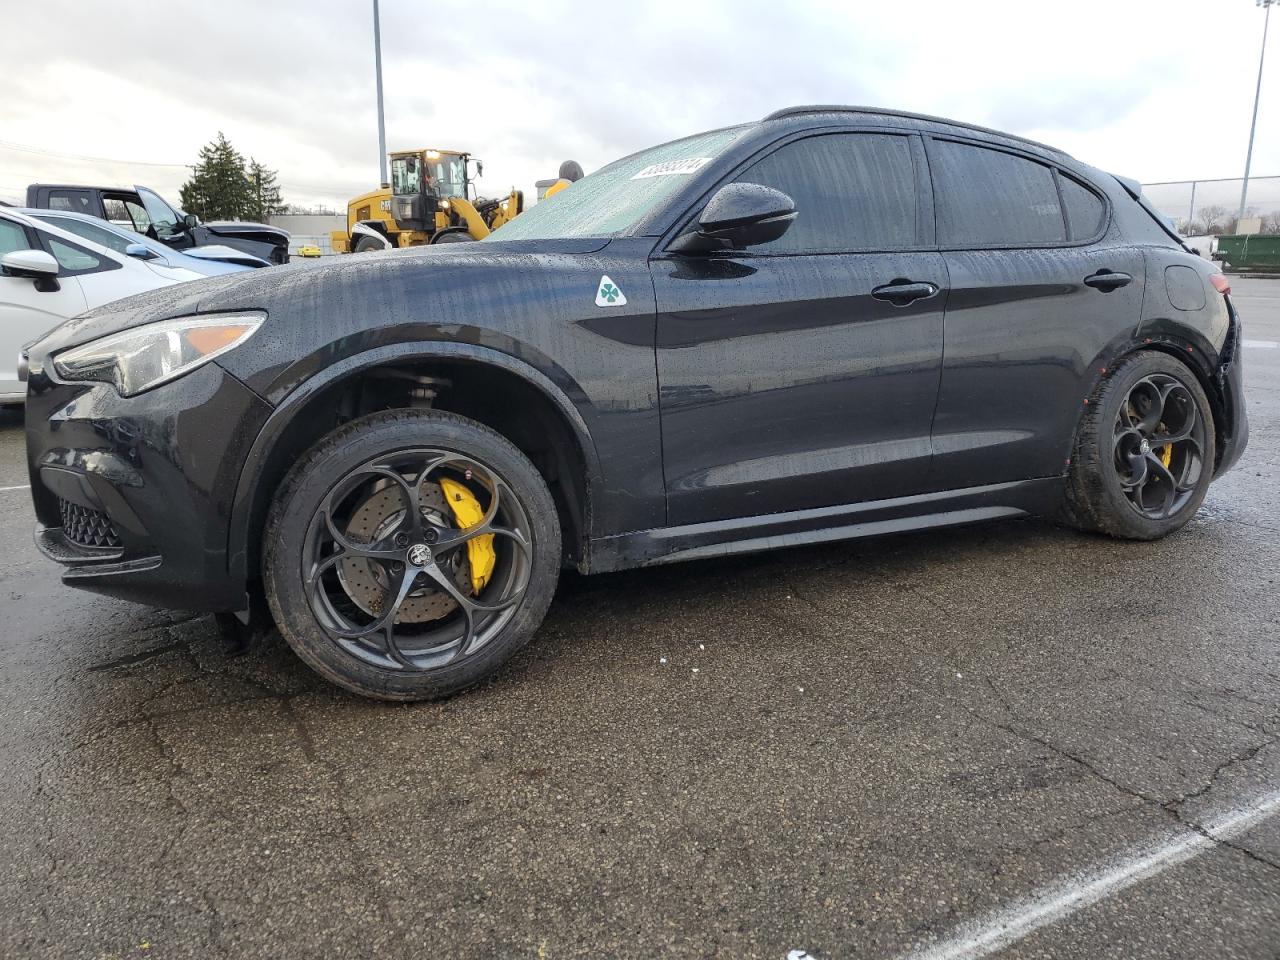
(672, 168)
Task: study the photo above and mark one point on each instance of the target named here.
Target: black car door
(793, 375)
(1041, 284)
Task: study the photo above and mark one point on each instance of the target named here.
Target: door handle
(901, 292)
(1107, 280)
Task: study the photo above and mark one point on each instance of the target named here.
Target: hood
(225, 254)
(300, 282)
(250, 231)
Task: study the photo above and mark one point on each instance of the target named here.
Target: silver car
(48, 275)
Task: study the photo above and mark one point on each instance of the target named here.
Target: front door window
(164, 218)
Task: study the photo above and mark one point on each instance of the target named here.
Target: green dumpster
(1250, 253)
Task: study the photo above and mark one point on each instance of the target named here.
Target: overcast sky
(1155, 90)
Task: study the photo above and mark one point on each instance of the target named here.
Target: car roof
(40, 212)
(84, 186)
(34, 223)
(788, 113)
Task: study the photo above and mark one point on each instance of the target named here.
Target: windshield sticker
(672, 168)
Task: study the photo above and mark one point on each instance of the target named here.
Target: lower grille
(86, 527)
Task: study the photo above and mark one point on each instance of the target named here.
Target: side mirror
(32, 265)
(141, 251)
(739, 215)
(479, 168)
(190, 221)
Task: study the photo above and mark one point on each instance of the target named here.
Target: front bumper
(1235, 434)
(134, 495)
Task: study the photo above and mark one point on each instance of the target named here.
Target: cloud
(1126, 86)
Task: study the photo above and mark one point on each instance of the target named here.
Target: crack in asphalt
(143, 656)
(1171, 808)
(215, 924)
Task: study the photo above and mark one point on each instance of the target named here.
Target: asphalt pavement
(1009, 737)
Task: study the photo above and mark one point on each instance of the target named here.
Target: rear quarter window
(987, 198)
(1084, 208)
(75, 201)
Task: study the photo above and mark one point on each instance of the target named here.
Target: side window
(1084, 208)
(991, 198)
(12, 237)
(74, 259)
(853, 191)
(76, 201)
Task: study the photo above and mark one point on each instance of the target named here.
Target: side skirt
(875, 518)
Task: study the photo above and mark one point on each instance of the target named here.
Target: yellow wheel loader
(432, 199)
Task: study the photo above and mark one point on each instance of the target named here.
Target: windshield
(447, 174)
(617, 197)
(405, 181)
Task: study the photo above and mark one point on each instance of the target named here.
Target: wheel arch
(372, 228)
(565, 453)
(1185, 344)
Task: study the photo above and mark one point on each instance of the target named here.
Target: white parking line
(1261, 344)
(25, 486)
(1004, 927)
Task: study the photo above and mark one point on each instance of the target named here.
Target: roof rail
(886, 112)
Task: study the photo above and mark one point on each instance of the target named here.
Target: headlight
(147, 356)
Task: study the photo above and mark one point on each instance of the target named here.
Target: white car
(48, 275)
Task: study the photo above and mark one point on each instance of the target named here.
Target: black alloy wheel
(410, 553)
(1159, 446)
(1144, 451)
(389, 570)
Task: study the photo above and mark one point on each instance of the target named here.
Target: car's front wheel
(1144, 452)
(368, 244)
(410, 553)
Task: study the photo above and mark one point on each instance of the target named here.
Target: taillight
(1220, 283)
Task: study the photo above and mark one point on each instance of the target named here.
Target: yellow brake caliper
(467, 511)
(1166, 452)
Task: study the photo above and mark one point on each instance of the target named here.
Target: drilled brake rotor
(367, 582)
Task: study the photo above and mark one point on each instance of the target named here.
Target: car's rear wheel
(410, 553)
(1144, 453)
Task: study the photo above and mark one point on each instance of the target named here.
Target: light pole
(1253, 126)
(382, 122)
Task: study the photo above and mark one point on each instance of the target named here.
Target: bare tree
(1212, 216)
(1271, 222)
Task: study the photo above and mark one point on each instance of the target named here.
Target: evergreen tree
(219, 186)
(264, 194)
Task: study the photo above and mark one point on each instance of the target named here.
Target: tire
(319, 598)
(1119, 483)
(365, 244)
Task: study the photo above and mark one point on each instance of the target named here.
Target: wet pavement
(855, 750)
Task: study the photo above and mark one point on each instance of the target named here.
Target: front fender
(364, 229)
(251, 500)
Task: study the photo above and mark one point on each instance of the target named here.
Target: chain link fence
(1201, 207)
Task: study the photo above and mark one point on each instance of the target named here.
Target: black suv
(148, 213)
(835, 322)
